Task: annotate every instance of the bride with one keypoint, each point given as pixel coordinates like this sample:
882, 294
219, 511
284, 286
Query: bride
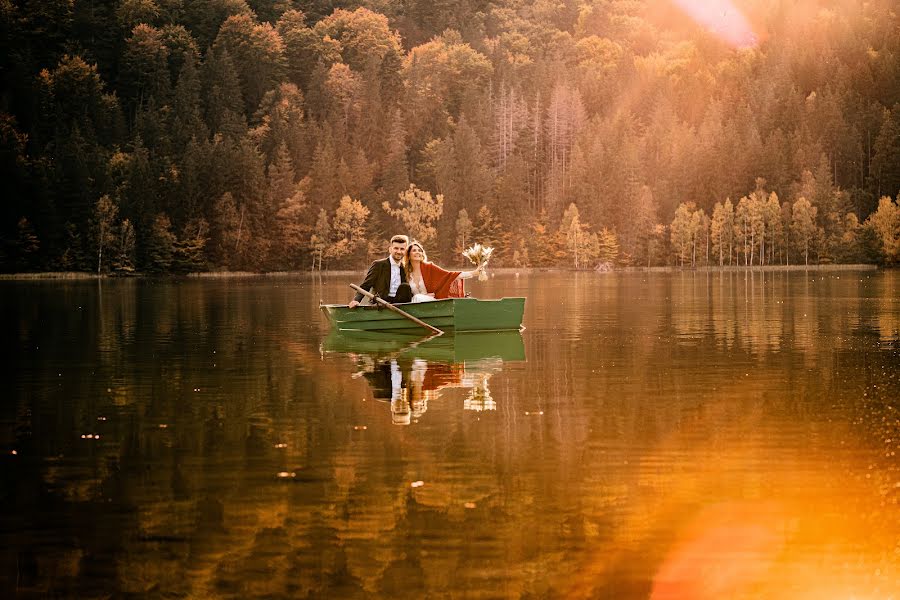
430, 282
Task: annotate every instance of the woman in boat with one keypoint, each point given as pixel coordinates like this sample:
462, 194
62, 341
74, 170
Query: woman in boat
430, 282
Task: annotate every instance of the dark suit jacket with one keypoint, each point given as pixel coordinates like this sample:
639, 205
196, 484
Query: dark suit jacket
379, 277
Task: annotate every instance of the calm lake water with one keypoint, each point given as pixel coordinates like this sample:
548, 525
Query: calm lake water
686, 435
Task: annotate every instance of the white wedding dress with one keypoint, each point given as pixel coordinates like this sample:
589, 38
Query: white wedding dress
420, 294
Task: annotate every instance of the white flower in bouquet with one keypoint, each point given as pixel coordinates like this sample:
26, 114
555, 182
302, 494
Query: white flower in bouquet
479, 255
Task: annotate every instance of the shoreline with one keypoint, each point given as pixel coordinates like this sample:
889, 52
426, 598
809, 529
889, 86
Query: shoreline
81, 276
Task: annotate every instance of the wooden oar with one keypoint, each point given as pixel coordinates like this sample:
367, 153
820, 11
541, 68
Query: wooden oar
387, 304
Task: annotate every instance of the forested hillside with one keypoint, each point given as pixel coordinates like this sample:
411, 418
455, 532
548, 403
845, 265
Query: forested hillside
176, 136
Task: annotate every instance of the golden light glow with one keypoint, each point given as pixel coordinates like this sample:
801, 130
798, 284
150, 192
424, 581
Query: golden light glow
727, 549
721, 18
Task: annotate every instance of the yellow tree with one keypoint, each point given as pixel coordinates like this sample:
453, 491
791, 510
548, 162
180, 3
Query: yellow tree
349, 228
722, 230
105, 215
583, 245
418, 211
699, 231
681, 230
803, 226
886, 223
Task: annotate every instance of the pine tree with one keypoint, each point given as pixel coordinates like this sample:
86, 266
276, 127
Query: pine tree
470, 185
512, 196
122, 258
638, 224
187, 108
325, 190
27, 246
303, 48
222, 92
160, 245
205, 19
884, 167
145, 65
607, 247
258, 55
393, 176
228, 223
281, 177
293, 228
544, 247
488, 230
280, 121
74, 256
464, 229
189, 256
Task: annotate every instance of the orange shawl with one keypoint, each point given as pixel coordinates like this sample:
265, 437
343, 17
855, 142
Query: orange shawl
441, 283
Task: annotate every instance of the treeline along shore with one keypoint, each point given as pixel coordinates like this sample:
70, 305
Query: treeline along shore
352, 276
166, 136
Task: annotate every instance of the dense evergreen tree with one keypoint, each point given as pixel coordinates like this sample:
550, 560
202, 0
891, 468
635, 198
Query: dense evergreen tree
241, 120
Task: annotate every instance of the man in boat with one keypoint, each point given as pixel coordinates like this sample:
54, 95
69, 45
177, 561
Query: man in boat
387, 277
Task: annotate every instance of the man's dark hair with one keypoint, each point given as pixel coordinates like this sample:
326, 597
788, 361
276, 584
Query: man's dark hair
400, 239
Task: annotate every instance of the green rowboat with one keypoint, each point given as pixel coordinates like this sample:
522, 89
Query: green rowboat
456, 314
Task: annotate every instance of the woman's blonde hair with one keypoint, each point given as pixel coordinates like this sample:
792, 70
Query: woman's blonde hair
409, 249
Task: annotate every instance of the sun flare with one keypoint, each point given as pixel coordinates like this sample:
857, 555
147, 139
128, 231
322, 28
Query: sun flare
721, 18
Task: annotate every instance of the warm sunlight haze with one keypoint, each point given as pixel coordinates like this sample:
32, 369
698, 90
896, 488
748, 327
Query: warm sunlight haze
475, 300
721, 18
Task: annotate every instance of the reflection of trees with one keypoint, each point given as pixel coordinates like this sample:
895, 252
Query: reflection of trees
682, 384
652, 402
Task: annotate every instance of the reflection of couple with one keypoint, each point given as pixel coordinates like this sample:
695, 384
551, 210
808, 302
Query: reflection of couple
407, 385
406, 275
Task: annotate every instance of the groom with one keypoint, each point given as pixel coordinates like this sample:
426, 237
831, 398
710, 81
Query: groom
386, 277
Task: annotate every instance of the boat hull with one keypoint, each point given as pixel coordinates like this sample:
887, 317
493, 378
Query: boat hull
453, 348
456, 314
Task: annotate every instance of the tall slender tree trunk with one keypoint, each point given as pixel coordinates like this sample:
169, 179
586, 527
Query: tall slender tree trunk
787, 250
762, 248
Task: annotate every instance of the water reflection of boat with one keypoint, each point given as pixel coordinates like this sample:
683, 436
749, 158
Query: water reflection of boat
458, 314
449, 348
410, 371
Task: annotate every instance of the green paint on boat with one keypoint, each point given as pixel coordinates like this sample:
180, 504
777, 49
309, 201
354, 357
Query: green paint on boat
457, 314
450, 348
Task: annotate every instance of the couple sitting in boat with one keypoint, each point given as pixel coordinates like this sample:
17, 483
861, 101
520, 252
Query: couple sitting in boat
406, 275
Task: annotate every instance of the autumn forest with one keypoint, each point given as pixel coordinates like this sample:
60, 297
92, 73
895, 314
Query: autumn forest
170, 136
